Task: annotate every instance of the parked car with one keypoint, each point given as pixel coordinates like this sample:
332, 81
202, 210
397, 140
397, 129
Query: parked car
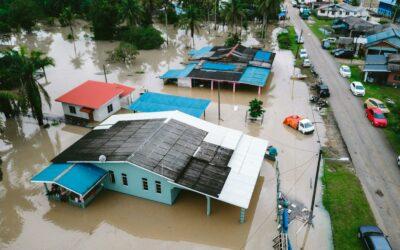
331, 39
326, 44
294, 3
323, 90
335, 50
376, 117
344, 53
375, 103
357, 88
306, 63
373, 238
344, 71
398, 160
299, 123
303, 53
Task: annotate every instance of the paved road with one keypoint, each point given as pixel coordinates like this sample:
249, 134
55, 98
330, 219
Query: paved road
372, 156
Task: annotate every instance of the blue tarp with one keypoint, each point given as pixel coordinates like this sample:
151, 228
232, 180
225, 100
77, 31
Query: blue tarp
179, 73
255, 76
196, 54
218, 66
155, 102
78, 178
263, 56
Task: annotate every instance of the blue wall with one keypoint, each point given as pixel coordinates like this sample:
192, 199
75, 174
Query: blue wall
134, 174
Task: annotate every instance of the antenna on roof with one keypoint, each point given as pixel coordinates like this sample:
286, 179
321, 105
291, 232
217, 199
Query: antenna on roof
102, 158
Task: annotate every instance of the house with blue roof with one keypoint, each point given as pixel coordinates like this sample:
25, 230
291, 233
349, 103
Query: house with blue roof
385, 7
154, 156
236, 66
384, 42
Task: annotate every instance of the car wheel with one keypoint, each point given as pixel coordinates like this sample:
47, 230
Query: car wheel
365, 105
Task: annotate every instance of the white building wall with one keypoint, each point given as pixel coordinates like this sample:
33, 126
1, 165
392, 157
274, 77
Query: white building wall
102, 113
79, 114
337, 14
184, 82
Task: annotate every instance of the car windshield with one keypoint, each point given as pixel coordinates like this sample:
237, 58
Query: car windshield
345, 69
380, 242
359, 87
381, 106
307, 125
379, 116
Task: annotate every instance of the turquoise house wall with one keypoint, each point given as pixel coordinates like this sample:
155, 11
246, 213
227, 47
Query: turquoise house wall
134, 174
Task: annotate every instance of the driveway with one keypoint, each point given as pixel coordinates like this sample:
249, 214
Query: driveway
372, 155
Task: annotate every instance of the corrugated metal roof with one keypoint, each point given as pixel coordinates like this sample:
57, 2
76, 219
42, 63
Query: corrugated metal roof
156, 102
179, 73
79, 178
386, 34
197, 54
255, 76
207, 65
375, 59
375, 68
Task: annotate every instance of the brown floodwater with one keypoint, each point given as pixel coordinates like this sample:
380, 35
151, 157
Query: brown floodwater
29, 220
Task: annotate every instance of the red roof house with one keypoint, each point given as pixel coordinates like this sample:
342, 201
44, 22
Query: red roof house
94, 100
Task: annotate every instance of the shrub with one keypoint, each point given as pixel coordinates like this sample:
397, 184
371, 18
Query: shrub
143, 37
256, 109
232, 40
125, 52
284, 40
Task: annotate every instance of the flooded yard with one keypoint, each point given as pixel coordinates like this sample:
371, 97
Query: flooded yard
29, 220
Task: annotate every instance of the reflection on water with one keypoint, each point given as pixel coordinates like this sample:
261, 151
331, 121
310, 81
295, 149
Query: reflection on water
29, 220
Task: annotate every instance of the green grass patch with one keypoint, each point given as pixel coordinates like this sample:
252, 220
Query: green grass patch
382, 92
319, 24
347, 205
287, 40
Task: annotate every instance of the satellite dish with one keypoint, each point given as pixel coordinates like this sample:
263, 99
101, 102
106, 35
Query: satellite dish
102, 158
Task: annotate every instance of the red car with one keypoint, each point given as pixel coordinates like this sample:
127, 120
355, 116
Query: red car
376, 117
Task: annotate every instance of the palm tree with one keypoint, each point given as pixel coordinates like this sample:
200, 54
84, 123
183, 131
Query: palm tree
263, 6
132, 10
190, 20
67, 18
19, 74
234, 11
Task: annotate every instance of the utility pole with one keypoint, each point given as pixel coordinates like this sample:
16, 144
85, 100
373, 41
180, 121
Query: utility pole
219, 101
105, 73
315, 187
299, 39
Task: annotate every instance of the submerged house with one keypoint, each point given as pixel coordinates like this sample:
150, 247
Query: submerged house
237, 65
384, 42
94, 100
155, 156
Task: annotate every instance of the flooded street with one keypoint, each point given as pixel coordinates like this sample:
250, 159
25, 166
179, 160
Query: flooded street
115, 220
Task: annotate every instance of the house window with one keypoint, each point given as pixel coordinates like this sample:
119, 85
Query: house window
145, 184
124, 180
322, 11
110, 108
72, 109
158, 187
347, 13
112, 176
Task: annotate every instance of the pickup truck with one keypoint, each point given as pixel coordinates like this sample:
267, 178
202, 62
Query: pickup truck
299, 123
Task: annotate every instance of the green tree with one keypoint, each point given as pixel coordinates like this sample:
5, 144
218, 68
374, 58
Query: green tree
149, 7
132, 11
23, 14
190, 20
105, 16
18, 70
263, 7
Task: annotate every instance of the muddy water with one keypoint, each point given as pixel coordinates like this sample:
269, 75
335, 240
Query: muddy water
29, 220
